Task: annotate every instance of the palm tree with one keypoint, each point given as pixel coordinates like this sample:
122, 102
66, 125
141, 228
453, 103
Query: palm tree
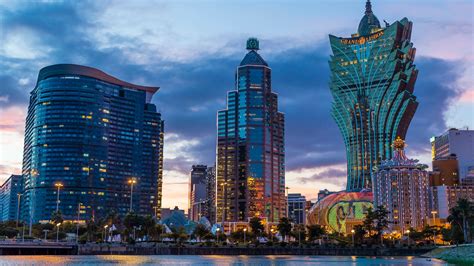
461, 214
284, 227
256, 225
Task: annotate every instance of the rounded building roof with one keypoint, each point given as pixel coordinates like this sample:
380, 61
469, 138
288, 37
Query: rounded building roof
369, 21
72, 69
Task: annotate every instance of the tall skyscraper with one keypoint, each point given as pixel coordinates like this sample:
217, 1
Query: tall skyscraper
459, 142
90, 137
10, 193
372, 83
202, 190
250, 146
401, 185
297, 208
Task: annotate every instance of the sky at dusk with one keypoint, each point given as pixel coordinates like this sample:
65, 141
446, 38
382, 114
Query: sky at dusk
191, 50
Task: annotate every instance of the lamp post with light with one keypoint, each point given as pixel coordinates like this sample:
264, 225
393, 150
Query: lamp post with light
18, 209
132, 182
217, 234
353, 243
434, 223
271, 232
105, 232
58, 186
408, 234
245, 236
57, 232
77, 225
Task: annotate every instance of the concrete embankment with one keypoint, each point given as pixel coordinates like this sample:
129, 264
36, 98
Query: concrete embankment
148, 249
463, 254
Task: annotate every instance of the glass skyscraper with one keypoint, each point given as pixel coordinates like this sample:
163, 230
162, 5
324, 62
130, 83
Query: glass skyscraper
91, 133
250, 146
372, 82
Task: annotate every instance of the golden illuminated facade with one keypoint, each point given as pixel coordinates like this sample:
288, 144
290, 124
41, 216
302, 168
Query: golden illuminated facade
401, 186
250, 146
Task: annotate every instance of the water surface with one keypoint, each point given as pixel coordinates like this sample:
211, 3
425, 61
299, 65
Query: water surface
215, 260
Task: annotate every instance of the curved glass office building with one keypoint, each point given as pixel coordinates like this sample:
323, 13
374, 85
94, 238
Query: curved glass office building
87, 134
372, 83
250, 146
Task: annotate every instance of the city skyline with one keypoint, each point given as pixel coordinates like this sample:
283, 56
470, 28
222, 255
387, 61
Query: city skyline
309, 167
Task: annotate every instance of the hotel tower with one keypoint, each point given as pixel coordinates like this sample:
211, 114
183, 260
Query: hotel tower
372, 82
93, 144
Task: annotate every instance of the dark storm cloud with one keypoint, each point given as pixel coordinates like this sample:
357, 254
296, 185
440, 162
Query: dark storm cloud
192, 92
434, 89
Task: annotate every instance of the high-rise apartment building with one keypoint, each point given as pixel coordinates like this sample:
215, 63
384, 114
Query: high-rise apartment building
10, 198
94, 140
401, 186
250, 146
458, 142
372, 82
443, 198
202, 188
297, 208
445, 172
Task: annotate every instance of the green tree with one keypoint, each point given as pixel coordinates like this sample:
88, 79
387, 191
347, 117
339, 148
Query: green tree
178, 234
256, 226
359, 233
461, 215
315, 231
284, 227
238, 236
148, 224
298, 233
8, 230
57, 217
91, 230
200, 232
157, 231
376, 221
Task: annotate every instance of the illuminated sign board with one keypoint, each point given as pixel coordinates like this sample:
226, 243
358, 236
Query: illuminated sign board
362, 39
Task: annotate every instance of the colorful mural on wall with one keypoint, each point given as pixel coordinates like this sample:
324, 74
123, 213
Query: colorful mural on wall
341, 211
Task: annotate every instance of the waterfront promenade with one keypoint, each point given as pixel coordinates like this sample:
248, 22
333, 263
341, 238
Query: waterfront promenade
65, 248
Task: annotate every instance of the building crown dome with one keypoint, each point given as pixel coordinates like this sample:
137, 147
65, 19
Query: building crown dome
369, 21
252, 57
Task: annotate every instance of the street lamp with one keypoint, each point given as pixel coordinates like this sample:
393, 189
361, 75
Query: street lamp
77, 226
245, 235
271, 232
434, 223
105, 232
59, 186
18, 209
217, 234
353, 231
57, 232
408, 234
131, 181
224, 203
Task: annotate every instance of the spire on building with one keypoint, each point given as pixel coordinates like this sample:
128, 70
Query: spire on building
369, 21
368, 7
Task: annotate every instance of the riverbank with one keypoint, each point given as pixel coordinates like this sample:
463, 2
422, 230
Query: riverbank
157, 249
463, 254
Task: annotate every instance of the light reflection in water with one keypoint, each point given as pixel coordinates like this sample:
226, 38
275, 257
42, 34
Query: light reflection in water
217, 260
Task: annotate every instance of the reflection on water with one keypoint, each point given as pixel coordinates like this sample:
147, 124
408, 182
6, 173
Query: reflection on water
215, 260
